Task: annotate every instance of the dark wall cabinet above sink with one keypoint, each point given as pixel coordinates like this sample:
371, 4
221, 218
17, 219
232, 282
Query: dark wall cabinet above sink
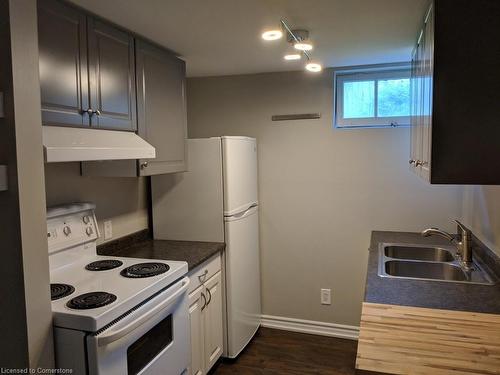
455, 133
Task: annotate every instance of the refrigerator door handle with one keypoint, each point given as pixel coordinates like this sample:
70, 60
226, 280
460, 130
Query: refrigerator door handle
249, 211
241, 208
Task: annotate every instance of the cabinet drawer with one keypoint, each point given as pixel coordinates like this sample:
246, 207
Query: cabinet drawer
204, 272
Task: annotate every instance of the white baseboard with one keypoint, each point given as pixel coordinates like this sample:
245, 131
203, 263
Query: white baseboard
310, 327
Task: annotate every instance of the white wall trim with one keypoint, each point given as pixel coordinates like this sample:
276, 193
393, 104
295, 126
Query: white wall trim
311, 327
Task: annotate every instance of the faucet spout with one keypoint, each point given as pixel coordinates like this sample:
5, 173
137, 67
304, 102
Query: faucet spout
437, 232
463, 243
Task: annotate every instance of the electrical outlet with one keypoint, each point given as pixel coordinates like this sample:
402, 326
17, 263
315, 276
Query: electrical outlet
326, 296
108, 230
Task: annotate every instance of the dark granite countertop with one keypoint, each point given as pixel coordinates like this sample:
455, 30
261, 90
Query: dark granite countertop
430, 294
140, 245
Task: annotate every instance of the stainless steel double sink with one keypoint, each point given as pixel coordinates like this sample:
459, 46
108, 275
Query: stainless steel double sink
434, 263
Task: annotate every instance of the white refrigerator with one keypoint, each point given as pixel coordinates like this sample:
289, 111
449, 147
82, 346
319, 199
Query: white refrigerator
216, 200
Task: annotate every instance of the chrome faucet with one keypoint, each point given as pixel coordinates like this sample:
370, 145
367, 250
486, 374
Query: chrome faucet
463, 243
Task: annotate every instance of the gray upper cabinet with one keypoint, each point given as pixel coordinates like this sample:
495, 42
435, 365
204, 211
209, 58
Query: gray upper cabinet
63, 64
87, 74
161, 108
96, 75
111, 76
161, 116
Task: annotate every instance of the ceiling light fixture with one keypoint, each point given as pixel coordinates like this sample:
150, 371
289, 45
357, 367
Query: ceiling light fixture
314, 67
292, 56
302, 46
272, 35
299, 38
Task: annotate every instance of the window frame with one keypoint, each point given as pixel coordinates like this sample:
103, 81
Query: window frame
367, 73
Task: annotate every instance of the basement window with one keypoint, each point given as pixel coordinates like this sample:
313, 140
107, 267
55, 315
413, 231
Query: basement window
372, 97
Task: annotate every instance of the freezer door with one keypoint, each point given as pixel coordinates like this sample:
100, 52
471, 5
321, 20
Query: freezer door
242, 263
240, 174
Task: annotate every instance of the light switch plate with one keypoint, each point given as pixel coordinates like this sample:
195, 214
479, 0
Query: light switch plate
326, 296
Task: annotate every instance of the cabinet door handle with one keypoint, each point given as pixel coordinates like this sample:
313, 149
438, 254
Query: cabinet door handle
144, 165
91, 112
204, 301
203, 276
418, 163
411, 161
209, 296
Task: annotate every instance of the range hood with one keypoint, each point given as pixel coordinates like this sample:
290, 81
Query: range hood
76, 144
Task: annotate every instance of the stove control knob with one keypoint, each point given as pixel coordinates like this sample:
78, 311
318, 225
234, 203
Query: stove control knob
89, 231
86, 219
67, 230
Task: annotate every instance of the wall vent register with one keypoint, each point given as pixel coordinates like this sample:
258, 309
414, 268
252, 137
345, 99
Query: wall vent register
298, 116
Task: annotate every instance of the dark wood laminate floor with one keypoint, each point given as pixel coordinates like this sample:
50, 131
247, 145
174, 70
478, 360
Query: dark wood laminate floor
274, 352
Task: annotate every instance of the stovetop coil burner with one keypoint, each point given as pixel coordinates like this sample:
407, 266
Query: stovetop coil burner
103, 265
91, 300
58, 291
144, 270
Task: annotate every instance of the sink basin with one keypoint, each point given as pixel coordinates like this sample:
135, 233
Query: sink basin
433, 254
433, 263
425, 270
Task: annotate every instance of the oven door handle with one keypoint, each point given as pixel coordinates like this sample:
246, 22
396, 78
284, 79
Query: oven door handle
112, 336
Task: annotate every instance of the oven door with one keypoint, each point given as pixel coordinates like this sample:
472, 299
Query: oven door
152, 339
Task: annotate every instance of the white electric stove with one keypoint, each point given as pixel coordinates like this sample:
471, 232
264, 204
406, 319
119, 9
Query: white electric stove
113, 315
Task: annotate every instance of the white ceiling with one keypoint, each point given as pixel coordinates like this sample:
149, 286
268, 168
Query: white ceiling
222, 37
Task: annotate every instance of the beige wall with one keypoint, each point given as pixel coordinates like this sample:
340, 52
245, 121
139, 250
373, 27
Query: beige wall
122, 200
481, 213
322, 191
30, 178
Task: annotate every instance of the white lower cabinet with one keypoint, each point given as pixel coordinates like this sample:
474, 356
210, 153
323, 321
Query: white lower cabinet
212, 318
205, 314
196, 302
